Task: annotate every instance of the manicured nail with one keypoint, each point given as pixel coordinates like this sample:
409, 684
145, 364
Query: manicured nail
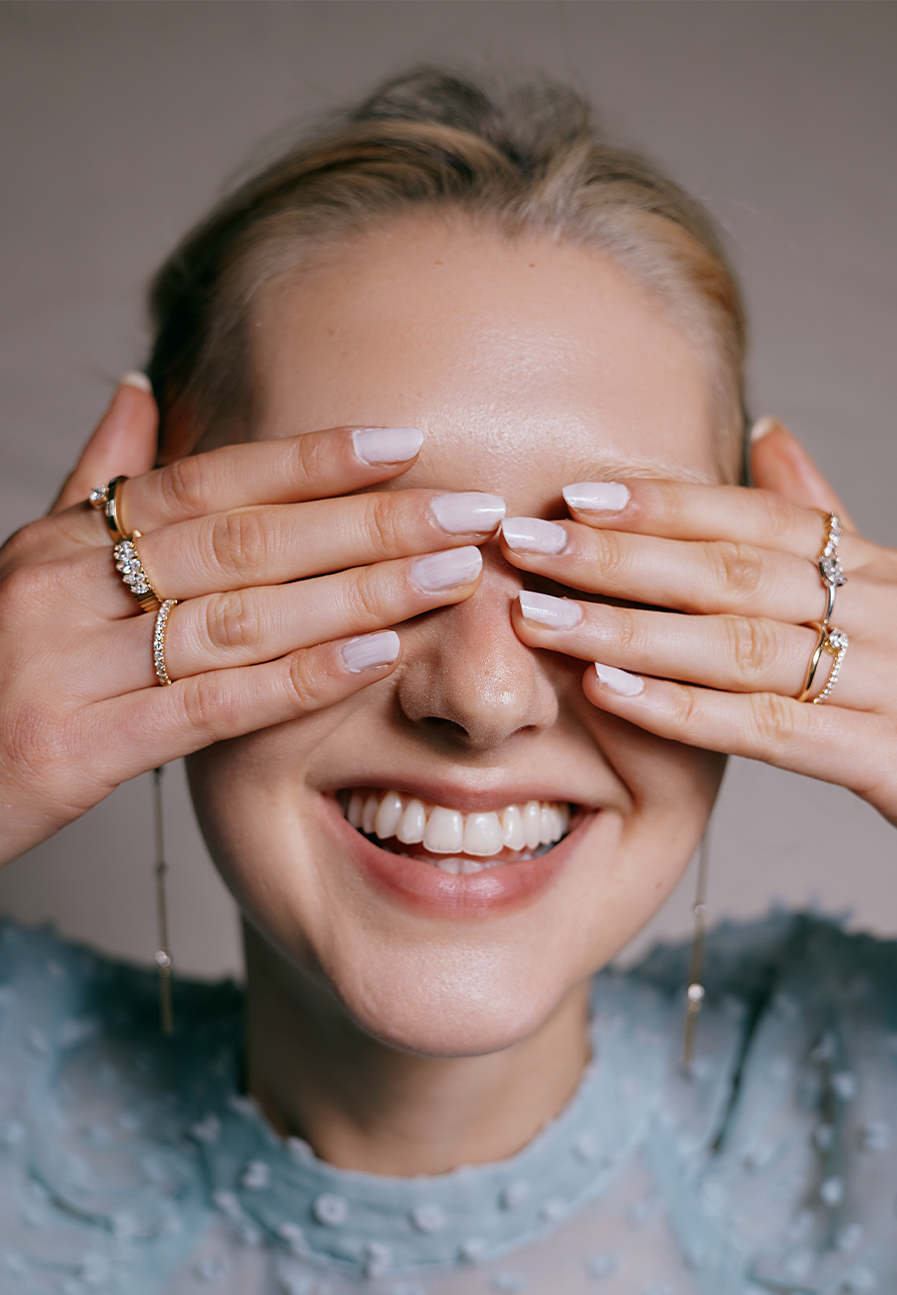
468, 513
533, 535
619, 681
370, 651
375, 445
763, 427
446, 570
596, 496
556, 613
139, 380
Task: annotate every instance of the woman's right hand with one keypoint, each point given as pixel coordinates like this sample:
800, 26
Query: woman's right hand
286, 584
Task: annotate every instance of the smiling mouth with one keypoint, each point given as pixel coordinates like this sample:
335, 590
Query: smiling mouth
446, 838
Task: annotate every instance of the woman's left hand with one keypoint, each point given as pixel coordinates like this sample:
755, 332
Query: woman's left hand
743, 564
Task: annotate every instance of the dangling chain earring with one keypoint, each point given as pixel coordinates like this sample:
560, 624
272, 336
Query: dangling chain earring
163, 955
695, 992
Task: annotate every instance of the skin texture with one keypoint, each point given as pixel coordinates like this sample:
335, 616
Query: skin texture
401, 1019
527, 366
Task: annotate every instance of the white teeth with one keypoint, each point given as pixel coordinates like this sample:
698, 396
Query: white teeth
369, 813
513, 834
532, 823
356, 805
388, 815
483, 834
467, 838
445, 831
412, 823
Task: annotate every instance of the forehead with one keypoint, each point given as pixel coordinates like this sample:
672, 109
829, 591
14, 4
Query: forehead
527, 363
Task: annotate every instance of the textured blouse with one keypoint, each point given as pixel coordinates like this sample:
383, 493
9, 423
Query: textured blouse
132, 1164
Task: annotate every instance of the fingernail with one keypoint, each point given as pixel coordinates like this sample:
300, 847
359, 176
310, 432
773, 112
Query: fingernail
375, 445
468, 513
763, 427
370, 651
556, 613
619, 681
597, 496
533, 535
446, 570
139, 380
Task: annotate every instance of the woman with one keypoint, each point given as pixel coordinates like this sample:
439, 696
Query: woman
439, 817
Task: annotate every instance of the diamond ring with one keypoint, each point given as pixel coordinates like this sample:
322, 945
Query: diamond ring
829, 565
133, 572
105, 500
834, 642
159, 641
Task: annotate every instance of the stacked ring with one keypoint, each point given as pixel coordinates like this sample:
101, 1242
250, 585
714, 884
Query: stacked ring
105, 500
133, 572
829, 565
159, 641
834, 642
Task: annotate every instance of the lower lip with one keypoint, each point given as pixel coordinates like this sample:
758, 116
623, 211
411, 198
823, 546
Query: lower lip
427, 889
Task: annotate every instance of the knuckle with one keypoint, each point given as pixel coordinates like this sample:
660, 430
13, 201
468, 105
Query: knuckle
737, 570
304, 682
181, 485
240, 542
752, 644
364, 596
775, 515
775, 718
232, 621
22, 590
382, 529
612, 556
209, 706
630, 632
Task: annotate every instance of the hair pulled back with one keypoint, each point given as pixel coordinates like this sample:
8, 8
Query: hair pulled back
528, 159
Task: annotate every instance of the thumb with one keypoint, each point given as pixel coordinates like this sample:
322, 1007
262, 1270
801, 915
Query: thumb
123, 444
780, 463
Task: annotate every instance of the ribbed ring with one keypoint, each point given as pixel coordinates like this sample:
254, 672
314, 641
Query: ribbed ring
133, 572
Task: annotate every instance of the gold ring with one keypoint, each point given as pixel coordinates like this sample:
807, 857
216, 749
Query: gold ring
105, 500
159, 640
834, 642
133, 572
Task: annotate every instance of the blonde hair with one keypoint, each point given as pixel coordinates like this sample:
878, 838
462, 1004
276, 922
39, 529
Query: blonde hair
529, 159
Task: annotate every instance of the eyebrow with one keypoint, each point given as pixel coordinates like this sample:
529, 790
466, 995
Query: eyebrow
613, 469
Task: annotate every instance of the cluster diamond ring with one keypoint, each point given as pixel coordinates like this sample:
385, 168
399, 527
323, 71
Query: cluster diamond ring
105, 500
159, 640
133, 572
829, 564
833, 642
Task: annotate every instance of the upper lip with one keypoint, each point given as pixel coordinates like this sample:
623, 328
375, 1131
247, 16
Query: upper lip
469, 800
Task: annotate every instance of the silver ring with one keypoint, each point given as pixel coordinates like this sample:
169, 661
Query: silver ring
159, 640
105, 500
829, 565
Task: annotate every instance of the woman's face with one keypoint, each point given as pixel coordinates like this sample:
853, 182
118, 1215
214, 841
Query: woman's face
528, 365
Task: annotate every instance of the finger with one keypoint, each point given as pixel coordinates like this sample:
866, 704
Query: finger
684, 511
824, 742
315, 465
123, 444
730, 653
270, 545
690, 576
780, 463
245, 627
195, 712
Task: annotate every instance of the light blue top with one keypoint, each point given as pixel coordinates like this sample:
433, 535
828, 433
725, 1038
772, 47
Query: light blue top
130, 1163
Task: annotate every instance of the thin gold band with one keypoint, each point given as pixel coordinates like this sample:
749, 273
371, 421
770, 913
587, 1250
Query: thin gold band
105, 500
832, 642
161, 626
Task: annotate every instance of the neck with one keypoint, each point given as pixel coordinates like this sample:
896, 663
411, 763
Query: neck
362, 1104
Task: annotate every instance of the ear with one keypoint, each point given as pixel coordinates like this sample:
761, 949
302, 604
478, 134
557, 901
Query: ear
780, 463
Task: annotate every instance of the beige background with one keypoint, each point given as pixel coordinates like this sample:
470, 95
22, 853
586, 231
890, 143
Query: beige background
119, 122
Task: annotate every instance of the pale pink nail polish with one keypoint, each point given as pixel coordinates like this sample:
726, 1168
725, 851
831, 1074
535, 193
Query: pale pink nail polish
596, 496
437, 572
619, 681
554, 613
370, 651
381, 445
468, 512
533, 535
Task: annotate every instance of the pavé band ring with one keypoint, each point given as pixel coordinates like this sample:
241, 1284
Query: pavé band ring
829, 564
133, 572
105, 500
159, 641
834, 642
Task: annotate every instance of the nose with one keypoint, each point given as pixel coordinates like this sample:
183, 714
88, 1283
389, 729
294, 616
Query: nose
467, 679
